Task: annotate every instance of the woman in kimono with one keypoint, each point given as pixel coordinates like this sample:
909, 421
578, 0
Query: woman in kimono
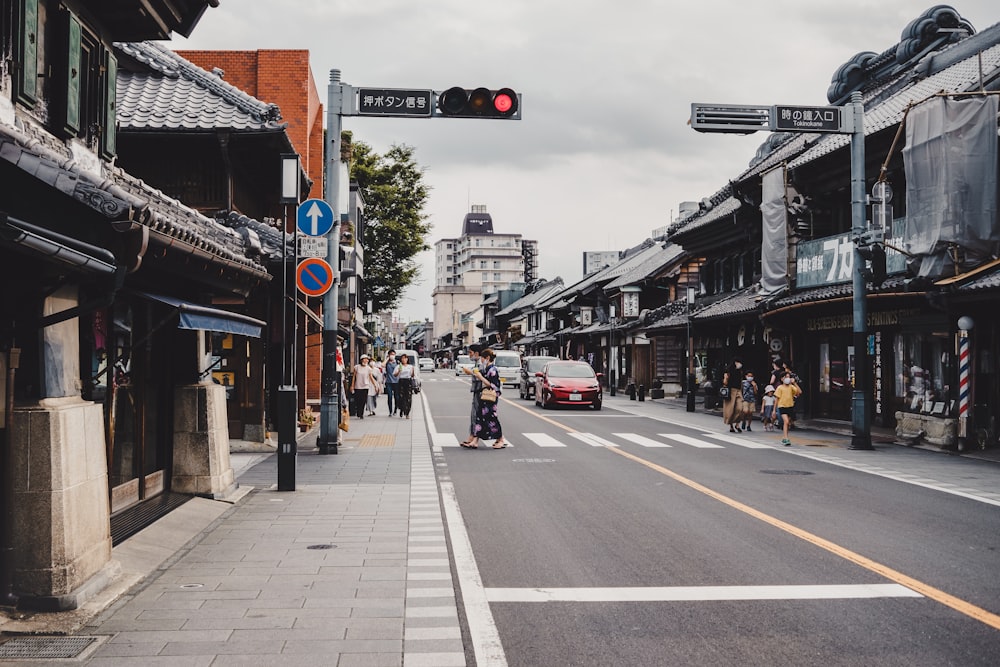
487, 418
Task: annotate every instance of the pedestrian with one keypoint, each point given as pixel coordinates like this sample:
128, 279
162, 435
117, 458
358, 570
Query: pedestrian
785, 397
729, 392
791, 415
391, 381
767, 408
488, 418
361, 380
404, 373
375, 388
777, 370
748, 392
474, 389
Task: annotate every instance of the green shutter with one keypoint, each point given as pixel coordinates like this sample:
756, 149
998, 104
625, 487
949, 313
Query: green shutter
109, 143
26, 80
73, 76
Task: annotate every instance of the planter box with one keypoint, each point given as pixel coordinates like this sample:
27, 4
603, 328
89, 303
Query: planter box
940, 431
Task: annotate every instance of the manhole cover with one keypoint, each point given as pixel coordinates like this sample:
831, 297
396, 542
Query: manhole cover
786, 472
39, 648
321, 546
534, 460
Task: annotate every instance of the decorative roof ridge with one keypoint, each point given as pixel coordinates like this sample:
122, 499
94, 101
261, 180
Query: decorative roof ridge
173, 65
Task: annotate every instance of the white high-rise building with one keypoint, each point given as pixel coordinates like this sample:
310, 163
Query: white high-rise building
476, 263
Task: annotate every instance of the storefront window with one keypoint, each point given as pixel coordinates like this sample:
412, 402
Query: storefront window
923, 371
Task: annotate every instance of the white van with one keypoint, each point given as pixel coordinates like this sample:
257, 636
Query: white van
508, 363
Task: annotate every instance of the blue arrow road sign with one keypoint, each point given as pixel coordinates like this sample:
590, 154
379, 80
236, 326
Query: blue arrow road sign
314, 217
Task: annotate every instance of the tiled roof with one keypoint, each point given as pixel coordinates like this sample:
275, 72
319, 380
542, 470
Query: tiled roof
119, 197
177, 94
653, 263
528, 300
990, 281
723, 205
744, 301
828, 292
562, 299
673, 314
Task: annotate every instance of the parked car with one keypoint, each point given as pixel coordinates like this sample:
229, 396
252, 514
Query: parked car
568, 383
426, 364
463, 361
508, 363
530, 366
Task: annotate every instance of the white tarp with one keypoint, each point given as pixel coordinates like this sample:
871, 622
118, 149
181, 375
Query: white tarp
774, 245
951, 175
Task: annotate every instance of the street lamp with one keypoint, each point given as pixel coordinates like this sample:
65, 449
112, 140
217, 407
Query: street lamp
288, 401
691, 385
612, 354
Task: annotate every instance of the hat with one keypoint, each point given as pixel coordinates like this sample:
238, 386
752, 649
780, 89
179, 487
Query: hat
365, 356
768, 388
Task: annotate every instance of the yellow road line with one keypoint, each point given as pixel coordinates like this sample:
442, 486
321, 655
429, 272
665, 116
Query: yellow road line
948, 600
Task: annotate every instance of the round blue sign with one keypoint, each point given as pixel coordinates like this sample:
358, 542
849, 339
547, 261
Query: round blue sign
314, 217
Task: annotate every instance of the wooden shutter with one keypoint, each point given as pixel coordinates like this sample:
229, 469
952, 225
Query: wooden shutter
26, 79
73, 75
109, 139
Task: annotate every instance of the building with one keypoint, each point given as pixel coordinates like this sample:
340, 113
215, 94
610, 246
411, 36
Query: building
595, 260
477, 263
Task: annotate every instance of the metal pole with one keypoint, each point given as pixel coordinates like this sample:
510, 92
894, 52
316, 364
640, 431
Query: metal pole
691, 384
861, 436
329, 414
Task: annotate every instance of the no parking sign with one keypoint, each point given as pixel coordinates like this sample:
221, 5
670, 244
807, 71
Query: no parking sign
314, 276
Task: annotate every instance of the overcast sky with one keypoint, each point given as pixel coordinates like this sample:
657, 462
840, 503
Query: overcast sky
603, 154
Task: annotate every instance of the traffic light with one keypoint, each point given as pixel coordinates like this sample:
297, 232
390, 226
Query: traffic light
460, 102
875, 269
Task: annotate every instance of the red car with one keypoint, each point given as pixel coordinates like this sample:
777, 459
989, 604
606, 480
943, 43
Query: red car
568, 383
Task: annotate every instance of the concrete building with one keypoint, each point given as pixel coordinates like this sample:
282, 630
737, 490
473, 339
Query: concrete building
478, 262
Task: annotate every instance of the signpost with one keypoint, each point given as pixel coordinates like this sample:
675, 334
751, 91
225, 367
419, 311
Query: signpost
746, 119
395, 102
314, 217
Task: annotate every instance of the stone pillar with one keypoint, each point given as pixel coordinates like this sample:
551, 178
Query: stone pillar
61, 514
201, 442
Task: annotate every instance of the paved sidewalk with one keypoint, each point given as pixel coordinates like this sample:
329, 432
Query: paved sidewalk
350, 569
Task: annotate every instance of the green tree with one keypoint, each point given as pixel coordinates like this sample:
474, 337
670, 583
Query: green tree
396, 228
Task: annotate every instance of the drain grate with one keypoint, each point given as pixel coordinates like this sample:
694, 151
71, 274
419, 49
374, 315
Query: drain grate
41, 648
321, 546
786, 472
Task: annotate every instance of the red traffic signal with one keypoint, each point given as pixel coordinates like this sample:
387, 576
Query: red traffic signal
479, 103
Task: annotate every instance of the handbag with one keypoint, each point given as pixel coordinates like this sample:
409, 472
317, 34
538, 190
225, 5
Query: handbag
345, 420
724, 392
488, 396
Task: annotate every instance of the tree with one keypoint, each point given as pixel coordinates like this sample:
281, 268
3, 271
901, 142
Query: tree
395, 227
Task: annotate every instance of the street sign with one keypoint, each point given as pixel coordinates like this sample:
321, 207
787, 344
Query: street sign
730, 118
314, 277
395, 102
314, 217
808, 119
313, 246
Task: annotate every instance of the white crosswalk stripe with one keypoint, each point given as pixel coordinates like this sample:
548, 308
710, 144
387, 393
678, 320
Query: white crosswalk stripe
733, 440
641, 440
543, 440
593, 440
687, 440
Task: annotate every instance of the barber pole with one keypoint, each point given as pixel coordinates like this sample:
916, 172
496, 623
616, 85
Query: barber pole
964, 382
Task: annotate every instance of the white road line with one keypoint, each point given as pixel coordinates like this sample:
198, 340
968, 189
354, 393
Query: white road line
641, 440
592, 440
742, 442
700, 593
687, 440
482, 627
444, 439
543, 440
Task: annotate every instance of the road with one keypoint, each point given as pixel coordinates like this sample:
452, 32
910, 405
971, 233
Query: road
606, 538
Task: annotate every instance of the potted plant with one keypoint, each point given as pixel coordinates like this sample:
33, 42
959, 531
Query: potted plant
306, 419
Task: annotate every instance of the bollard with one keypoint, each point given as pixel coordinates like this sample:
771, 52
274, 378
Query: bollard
642, 392
630, 390
692, 388
287, 429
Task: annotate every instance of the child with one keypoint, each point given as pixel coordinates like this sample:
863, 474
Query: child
748, 392
767, 408
785, 395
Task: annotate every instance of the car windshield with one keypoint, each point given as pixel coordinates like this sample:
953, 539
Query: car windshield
535, 365
570, 371
462, 359
507, 360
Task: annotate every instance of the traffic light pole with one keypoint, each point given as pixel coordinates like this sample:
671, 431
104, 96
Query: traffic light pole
861, 432
330, 377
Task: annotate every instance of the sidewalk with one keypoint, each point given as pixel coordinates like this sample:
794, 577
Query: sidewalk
350, 569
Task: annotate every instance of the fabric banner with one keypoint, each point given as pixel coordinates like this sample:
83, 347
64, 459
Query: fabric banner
951, 173
774, 246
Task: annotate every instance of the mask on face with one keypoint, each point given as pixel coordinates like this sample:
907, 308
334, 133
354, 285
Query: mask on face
787, 380
392, 357
749, 378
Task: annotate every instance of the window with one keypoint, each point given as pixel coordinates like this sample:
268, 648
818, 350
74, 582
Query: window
923, 366
482, 264
496, 276
496, 264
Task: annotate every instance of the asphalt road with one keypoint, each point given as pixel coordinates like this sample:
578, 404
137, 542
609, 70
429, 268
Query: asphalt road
594, 547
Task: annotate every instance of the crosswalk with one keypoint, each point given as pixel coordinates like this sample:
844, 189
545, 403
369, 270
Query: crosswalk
705, 441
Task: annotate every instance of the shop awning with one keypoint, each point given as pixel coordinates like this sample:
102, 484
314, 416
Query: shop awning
204, 318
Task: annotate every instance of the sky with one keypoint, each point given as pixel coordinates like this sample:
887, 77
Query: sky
604, 153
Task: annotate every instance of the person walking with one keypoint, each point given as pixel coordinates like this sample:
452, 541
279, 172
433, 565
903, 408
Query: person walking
391, 381
785, 396
474, 389
748, 392
767, 407
361, 381
488, 418
404, 373
729, 391
375, 388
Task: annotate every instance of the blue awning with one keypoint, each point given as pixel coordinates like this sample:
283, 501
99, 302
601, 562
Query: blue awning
204, 318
